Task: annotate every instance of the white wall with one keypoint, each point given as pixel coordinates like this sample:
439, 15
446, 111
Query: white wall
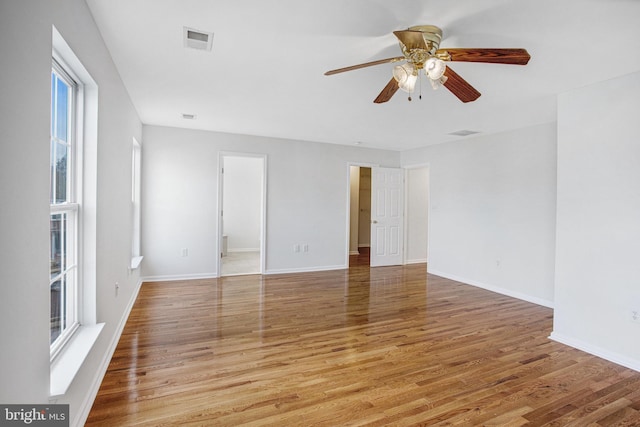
598, 221
25, 48
242, 202
307, 198
492, 216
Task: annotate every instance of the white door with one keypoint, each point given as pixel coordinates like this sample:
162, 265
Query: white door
387, 216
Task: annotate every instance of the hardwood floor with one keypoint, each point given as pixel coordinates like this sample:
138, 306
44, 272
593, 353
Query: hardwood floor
382, 346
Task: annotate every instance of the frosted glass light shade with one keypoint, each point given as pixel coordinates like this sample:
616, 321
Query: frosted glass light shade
435, 84
434, 68
406, 75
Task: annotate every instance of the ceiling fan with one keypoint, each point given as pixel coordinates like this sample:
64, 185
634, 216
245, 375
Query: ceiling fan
420, 46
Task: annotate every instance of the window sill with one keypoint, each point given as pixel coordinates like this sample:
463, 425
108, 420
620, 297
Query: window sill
135, 262
67, 364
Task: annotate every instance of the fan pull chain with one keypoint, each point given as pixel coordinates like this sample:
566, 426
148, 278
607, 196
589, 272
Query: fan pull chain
419, 90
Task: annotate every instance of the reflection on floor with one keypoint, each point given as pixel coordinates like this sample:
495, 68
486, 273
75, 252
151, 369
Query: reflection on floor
237, 263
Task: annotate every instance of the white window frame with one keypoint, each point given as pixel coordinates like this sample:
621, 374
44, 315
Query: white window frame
136, 188
69, 358
70, 208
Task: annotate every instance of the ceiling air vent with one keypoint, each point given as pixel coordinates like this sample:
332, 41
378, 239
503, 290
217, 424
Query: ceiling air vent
197, 39
188, 116
464, 132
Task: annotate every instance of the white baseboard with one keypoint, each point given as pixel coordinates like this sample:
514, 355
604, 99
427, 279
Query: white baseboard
306, 269
496, 289
243, 250
173, 277
86, 405
416, 261
596, 351
354, 252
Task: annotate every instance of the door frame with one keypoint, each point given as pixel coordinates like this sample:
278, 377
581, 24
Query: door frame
263, 216
427, 166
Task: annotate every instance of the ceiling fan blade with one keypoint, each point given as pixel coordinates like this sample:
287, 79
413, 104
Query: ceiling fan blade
460, 87
411, 39
494, 56
389, 90
366, 64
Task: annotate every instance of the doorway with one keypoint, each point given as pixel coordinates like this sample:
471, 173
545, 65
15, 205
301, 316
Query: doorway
406, 241
359, 215
242, 214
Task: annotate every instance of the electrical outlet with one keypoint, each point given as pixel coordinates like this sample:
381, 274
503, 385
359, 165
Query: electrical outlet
635, 316
184, 252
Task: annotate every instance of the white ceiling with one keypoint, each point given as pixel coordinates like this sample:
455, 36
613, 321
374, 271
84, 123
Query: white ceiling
265, 73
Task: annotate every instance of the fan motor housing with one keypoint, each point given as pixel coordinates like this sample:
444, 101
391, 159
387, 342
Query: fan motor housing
432, 36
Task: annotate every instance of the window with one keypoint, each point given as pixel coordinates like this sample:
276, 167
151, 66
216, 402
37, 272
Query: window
64, 212
73, 221
136, 162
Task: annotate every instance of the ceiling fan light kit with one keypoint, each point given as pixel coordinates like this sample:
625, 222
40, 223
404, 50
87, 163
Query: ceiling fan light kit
434, 68
406, 75
420, 47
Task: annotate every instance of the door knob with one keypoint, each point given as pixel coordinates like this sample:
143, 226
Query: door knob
374, 222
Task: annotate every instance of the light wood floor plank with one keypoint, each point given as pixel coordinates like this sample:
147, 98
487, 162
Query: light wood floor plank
361, 347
